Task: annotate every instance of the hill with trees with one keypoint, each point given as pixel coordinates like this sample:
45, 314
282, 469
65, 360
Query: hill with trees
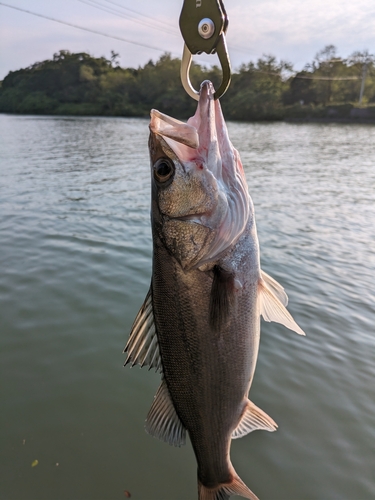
329, 87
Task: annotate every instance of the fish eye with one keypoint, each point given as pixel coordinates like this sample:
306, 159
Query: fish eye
163, 170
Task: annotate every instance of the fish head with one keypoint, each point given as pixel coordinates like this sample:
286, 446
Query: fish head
200, 200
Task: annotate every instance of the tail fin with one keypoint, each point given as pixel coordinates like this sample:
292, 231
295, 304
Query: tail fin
225, 490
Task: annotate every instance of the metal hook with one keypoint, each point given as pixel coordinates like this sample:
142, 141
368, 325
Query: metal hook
187, 58
203, 25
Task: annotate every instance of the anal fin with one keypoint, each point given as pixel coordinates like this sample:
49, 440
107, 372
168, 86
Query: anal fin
253, 419
162, 420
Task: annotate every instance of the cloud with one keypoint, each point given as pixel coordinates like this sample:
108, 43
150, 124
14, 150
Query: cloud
287, 28
292, 30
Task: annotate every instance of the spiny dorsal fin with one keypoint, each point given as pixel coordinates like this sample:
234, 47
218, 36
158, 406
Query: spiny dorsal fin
142, 346
275, 287
253, 419
273, 310
162, 420
221, 297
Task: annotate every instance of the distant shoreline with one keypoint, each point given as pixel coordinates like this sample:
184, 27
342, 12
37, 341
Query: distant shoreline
330, 91
350, 121
294, 120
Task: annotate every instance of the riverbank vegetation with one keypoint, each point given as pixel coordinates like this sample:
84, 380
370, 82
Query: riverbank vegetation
329, 87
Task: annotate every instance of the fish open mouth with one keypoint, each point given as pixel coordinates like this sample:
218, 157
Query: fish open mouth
205, 137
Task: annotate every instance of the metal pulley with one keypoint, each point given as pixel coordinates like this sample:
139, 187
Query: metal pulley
203, 24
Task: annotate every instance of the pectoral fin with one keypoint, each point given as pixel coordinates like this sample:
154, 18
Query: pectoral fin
253, 419
142, 346
272, 309
221, 298
162, 420
275, 287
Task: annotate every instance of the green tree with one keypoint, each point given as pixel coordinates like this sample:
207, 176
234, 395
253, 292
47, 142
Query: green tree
361, 65
81, 84
257, 89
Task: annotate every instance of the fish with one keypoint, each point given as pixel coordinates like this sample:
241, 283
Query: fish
199, 325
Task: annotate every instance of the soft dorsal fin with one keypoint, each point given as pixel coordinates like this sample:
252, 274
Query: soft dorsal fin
162, 420
272, 309
275, 287
142, 346
253, 419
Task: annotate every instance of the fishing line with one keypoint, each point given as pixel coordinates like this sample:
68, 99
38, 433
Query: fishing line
110, 10
95, 32
84, 29
162, 23
327, 78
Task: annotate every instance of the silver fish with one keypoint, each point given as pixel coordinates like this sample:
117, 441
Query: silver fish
200, 322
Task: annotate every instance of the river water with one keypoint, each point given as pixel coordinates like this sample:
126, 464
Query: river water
75, 259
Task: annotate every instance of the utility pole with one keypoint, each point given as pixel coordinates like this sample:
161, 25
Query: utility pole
364, 73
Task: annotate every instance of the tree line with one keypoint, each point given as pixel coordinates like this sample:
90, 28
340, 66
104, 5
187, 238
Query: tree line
79, 84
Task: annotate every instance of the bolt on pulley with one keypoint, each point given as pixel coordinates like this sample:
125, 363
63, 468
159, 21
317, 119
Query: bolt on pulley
203, 24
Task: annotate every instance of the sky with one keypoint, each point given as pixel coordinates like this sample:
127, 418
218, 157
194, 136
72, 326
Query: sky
291, 30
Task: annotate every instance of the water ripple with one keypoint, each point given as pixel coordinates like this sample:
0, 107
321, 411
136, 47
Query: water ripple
76, 265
